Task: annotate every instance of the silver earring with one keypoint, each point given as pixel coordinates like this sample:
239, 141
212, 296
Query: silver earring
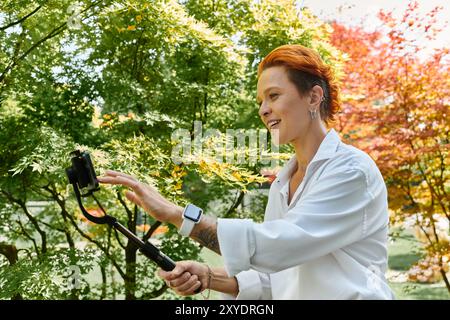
313, 114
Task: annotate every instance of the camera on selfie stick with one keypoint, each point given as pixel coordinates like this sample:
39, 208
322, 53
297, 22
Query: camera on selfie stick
82, 177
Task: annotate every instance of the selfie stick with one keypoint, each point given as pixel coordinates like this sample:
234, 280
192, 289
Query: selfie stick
148, 249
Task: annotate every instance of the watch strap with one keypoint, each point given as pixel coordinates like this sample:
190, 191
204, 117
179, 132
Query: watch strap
186, 227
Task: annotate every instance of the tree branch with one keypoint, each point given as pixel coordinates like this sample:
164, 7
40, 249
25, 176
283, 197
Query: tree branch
429, 184
30, 217
84, 235
55, 195
56, 31
151, 230
21, 19
99, 245
118, 239
154, 294
10, 252
236, 204
15, 62
27, 235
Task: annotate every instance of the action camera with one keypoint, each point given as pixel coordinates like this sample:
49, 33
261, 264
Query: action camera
82, 176
82, 172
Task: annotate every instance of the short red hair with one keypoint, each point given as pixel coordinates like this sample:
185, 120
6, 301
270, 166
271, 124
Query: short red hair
306, 69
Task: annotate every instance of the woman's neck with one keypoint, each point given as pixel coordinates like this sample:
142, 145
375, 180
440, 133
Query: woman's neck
306, 146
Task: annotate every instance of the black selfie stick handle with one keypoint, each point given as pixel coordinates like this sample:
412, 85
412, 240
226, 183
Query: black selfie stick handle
163, 261
147, 249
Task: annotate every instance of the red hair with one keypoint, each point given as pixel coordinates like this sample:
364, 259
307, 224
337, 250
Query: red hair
306, 69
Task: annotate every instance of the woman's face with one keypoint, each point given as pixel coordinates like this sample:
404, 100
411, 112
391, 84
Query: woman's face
282, 110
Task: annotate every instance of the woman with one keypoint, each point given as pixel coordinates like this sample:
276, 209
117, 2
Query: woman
326, 222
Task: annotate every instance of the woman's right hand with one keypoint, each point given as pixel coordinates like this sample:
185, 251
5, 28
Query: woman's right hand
186, 277
145, 196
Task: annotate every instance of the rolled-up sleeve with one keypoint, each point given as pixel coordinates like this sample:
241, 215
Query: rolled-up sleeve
330, 216
253, 285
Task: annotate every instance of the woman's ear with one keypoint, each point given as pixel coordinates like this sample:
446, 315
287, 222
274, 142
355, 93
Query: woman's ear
316, 96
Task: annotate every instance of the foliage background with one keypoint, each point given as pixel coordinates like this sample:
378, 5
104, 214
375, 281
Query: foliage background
118, 77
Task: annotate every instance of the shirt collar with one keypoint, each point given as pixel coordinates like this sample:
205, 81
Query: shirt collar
328, 146
326, 150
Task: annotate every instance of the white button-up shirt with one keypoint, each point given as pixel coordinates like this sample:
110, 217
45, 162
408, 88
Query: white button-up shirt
329, 242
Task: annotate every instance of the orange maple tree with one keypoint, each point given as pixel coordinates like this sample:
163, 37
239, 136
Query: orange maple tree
396, 107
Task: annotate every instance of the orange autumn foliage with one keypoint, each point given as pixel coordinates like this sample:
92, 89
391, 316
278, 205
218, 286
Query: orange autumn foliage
396, 108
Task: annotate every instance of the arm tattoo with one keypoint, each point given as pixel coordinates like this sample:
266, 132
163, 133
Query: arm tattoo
207, 237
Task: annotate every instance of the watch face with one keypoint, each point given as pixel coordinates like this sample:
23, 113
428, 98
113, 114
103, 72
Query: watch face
193, 213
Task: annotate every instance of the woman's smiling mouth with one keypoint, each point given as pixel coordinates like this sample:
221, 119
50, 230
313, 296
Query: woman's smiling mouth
272, 124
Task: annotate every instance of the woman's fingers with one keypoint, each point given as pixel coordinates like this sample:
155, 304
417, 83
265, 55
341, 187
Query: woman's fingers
121, 180
179, 269
140, 189
163, 274
107, 179
192, 289
181, 280
117, 180
115, 177
125, 181
187, 285
113, 173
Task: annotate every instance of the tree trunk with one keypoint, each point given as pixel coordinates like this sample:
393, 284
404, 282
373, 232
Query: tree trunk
447, 283
10, 252
130, 278
103, 271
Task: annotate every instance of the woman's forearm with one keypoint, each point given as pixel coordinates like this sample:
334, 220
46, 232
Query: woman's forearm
204, 232
220, 281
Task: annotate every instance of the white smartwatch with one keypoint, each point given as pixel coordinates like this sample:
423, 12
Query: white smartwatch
191, 216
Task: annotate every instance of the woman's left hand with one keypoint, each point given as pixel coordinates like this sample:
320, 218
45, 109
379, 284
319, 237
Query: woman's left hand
186, 277
145, 196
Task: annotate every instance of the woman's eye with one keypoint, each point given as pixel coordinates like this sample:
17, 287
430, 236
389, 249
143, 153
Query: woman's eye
273, 95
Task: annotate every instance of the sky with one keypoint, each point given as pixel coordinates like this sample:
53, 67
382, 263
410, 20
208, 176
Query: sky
354, 11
